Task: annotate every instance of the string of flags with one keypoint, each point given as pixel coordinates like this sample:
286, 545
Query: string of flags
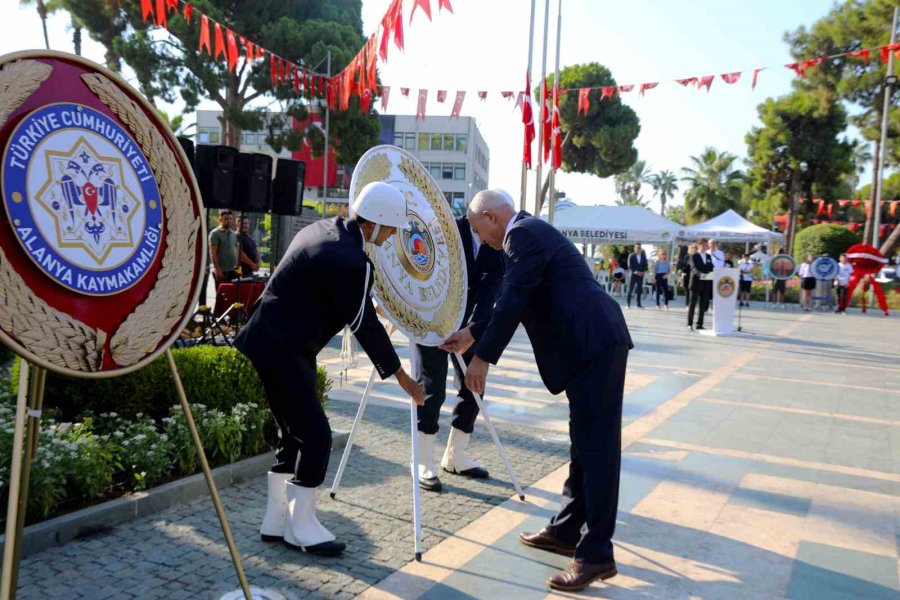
823, 211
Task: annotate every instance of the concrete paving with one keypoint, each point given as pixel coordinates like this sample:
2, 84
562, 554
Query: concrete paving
764, 465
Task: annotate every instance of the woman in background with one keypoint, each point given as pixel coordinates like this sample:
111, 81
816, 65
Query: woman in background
661, 269
618, 275
686, 274
807, 283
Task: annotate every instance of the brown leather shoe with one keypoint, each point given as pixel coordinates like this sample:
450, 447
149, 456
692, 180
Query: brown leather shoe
544, 540
580, 574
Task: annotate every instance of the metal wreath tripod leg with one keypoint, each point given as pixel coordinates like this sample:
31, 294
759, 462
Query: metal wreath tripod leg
414, 466
487, 420
356, 421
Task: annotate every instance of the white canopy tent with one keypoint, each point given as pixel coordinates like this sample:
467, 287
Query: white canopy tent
613, 225
729, 227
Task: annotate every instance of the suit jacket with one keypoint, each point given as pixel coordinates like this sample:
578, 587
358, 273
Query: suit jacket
322, 284
701, 264
638, 262
549, 288
484, 275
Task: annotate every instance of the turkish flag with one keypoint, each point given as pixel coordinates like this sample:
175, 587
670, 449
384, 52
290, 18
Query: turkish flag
528, 121
731, 77
220, 42
445, 4
146, 9
647, 86
232, 50
248, 45
204, 34
706, 82
385, 95
161, 14
405, 92
426, 6
584, 100
188, 11
557, 134
457, 105
546, 120
420, 108
687, 81
441, 95
482, 95
863, 54
607, 91
755, 75
89, 193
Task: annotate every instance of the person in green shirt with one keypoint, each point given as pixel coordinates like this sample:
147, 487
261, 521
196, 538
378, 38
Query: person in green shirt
223, 248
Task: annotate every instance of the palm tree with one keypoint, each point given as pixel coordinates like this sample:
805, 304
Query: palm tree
665, 184
862, 155
715, 185
628, 184
42, 13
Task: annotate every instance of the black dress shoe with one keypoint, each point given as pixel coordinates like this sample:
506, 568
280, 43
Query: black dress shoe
473, 473
431, 484
324, 549
544, 540
580, 574
700, 327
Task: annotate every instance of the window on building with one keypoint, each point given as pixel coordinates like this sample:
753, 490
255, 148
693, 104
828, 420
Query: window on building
449, 141
459, 171
424, 141
398, 140
248, 138
461, 142
435, 170
436, 141
410, 141
447, 171
208, 135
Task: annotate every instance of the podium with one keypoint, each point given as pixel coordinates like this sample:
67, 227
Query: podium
724, 297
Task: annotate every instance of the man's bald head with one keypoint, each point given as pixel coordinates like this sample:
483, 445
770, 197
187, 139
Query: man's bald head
489, 214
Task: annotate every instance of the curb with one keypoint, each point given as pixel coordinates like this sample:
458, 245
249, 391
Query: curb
106, 515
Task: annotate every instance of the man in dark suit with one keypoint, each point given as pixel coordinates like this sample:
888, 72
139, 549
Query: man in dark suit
581, 345
701, 287
484, 267
637, 264
322, 285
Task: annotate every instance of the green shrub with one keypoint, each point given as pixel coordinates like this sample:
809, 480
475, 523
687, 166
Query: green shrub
6, 355
825, 238
216, 376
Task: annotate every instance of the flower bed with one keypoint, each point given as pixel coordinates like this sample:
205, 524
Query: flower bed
87, 453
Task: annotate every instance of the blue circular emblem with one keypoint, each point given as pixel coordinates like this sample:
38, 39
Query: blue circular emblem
82, 199
825, 267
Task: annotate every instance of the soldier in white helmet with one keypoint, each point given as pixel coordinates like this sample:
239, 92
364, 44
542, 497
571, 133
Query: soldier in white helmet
322, 285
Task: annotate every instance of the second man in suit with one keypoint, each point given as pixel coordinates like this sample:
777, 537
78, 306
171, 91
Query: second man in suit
637, 264
701, 287
484, 267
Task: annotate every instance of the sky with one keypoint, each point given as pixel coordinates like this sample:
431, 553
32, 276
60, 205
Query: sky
483, 45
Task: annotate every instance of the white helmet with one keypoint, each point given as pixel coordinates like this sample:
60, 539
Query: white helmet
382, 204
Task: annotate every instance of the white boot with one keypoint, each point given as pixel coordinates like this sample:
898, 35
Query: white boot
302, 529
455, 459
272, 528
428, 479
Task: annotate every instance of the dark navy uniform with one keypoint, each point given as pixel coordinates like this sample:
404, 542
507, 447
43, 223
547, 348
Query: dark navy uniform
484, 275
581, 345
322, 284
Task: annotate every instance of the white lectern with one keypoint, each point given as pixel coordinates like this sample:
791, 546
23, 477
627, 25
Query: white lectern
725, 292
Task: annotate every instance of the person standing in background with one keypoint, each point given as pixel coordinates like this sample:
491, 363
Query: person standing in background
661, 269
845, 270
718, 257
686, 274
224, 248
701, 285
637, 264
807, 283
746, 268
249, 250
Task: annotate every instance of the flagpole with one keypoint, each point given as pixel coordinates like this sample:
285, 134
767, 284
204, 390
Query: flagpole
878, 183
537, 192
524, 193
554, 105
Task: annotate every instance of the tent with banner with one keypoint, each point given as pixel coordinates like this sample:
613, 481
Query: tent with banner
613, 225
729, 227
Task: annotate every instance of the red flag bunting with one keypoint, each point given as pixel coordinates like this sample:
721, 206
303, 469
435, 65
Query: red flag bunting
420, 108
146, 9
396, 11
528, 121
365, 101
584, 100
249, 47
886, 51
706, 81
204, 34
232, 50
731, 78
755, 75
647, 86
385, 95
607, 91
507, 95
688, 81
322, 87
557, 134
273, 74
546, 120
172, 5
188, 12
441, 95
220, 42
482, 95
296, 73
457, 105
863, 54
405, 92
162, 19
445, 5
625, 88
426, 6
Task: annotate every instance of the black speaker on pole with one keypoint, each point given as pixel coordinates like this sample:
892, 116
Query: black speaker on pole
215, 169
287, 190
187, 144
253, 183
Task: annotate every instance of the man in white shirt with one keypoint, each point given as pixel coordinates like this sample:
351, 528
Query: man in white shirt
845, 270
718, 257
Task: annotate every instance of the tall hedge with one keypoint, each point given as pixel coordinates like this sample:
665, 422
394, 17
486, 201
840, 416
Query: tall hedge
825, 238
216, 376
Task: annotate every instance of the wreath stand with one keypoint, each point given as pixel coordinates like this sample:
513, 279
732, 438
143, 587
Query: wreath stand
25, 442
413, 426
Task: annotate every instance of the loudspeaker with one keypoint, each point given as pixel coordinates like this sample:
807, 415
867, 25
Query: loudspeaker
253, 183
215, 169
287, 190
187, 144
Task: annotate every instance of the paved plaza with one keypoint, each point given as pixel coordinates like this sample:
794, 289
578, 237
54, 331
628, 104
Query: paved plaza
765, 465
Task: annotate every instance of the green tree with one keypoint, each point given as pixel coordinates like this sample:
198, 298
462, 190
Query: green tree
890, 191
600, 143
677, 214
628, 184
169, 67
853, 25
665, 184
825, 238
797, 153
714, 185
